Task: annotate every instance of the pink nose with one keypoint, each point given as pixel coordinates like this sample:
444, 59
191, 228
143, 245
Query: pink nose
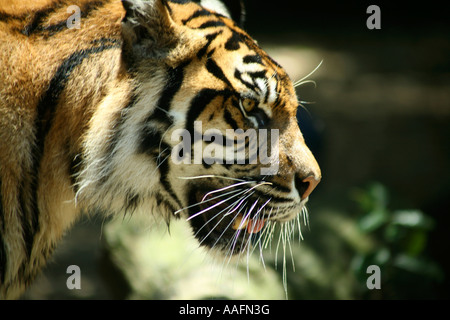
307, 185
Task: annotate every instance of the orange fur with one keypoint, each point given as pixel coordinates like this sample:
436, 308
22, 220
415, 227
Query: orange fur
65, 94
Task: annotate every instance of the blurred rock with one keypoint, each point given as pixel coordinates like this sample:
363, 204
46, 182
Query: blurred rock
168, 264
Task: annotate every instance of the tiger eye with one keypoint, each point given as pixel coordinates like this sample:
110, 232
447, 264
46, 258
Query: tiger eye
248, 104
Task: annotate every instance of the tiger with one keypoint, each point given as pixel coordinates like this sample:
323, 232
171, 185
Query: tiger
91, 94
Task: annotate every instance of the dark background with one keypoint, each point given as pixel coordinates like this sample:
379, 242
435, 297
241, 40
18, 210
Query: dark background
406, 149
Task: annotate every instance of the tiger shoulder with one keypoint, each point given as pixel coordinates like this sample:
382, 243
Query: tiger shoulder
91, 94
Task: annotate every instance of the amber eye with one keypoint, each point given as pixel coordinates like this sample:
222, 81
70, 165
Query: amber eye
248, 104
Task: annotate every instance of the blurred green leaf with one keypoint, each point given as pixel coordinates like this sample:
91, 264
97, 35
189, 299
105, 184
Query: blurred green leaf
382, 256
373, 220
392, 233
362, 198
379, 195
412, 219
416, 243
401, 239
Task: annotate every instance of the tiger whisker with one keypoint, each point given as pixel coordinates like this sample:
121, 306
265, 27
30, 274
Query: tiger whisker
240, 204
158, 157
211, 207
235, 236
232, 244
245, 217
247, 230
291, 226
297, 84
256, 216
305, 216
263, 236
301, 102
225, 188
204, 201
268, 230
300, 235
210, 176
251, 234
301, 81
246, 191
212, 229
231, 205
283, 234
231, 222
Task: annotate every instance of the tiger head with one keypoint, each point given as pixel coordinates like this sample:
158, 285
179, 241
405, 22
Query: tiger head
213, 134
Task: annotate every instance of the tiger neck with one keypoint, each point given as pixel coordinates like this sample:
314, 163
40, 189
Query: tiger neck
85, 71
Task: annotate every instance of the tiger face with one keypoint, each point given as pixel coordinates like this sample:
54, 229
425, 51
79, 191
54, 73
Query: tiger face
223, 134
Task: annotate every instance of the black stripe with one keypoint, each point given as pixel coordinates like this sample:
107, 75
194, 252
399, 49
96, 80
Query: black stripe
237, 75
196, 14
280, 187
106, 41
266, 95
216, 71
233, 43
51, 29
278, 100
149, 141
258, 74
40, 16
274, 200
253, 59
198, 104
164, 169
131, 202
3, 257
263, 194
43, 123
175, 78
29, 214
211, 24
150, 138
210, 38
229, 119
5, 17
36, 24
48, 102
161, 201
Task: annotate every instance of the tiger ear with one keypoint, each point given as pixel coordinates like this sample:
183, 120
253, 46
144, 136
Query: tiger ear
233, 9
148, 30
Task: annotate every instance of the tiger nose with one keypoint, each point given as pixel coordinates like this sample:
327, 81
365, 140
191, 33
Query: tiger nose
306, 185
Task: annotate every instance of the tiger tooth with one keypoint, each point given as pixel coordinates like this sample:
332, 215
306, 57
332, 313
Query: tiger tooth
239, 224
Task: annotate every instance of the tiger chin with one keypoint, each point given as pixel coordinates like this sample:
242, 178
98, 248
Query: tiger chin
88, 116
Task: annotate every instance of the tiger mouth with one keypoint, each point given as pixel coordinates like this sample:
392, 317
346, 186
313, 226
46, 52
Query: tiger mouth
228, 224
